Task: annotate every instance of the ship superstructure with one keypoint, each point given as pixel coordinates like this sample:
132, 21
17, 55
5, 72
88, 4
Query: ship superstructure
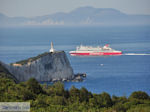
95, 51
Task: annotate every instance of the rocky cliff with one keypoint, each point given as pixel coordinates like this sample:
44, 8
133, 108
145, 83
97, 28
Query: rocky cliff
45, 67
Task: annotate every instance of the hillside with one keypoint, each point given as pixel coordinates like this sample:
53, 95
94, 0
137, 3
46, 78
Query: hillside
55, 98
79, 16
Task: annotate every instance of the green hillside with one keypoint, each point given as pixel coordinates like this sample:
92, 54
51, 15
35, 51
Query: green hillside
54, 98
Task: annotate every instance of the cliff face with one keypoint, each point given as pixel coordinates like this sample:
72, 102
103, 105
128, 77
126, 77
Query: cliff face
47, 67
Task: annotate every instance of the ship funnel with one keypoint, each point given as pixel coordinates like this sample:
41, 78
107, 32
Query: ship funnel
51, 49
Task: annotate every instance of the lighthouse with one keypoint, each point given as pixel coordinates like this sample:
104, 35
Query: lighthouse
51, 49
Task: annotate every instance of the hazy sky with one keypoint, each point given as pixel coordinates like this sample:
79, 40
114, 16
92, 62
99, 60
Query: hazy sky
31, 8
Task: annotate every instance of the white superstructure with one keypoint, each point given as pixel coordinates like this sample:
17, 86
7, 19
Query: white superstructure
51, 49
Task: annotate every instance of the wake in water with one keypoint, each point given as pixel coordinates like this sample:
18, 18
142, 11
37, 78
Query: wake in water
135, 54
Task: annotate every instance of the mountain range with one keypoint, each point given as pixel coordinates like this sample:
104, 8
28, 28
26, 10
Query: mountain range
80, 16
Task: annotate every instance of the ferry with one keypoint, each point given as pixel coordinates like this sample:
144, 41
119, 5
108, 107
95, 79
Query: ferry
94, 51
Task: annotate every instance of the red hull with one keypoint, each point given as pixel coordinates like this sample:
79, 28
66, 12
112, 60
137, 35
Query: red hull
96, 54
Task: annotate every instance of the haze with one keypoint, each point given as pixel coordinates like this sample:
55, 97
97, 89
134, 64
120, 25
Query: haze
30, 8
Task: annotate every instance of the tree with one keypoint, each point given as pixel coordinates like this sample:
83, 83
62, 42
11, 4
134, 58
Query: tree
27, 95
74, 92
58, 100
33, 86
139, 95
119, 108
58, 89
116, 99
84, 94
41, 101
106, 99
92, 102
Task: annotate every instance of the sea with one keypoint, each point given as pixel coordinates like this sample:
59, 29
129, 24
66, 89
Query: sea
116, 75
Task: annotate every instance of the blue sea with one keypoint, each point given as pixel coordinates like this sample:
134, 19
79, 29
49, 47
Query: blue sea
117, 75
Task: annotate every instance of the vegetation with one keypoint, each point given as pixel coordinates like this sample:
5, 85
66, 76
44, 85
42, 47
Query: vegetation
4, 73
22, 62
54, 98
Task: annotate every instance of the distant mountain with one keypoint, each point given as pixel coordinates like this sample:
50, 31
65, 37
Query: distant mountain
79, 16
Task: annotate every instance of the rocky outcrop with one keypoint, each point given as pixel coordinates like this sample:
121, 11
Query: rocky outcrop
45, 67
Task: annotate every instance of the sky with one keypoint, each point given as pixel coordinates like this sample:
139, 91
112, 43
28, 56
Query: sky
31, 8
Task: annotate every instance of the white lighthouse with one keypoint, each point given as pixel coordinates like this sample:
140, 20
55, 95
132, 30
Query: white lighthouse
51, 49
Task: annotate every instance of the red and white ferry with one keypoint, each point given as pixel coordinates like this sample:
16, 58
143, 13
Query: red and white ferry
94, 51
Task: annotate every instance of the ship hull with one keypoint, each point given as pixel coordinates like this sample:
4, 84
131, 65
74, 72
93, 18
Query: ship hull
95, 54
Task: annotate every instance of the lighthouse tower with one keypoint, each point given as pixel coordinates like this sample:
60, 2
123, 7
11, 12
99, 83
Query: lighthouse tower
51, 49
